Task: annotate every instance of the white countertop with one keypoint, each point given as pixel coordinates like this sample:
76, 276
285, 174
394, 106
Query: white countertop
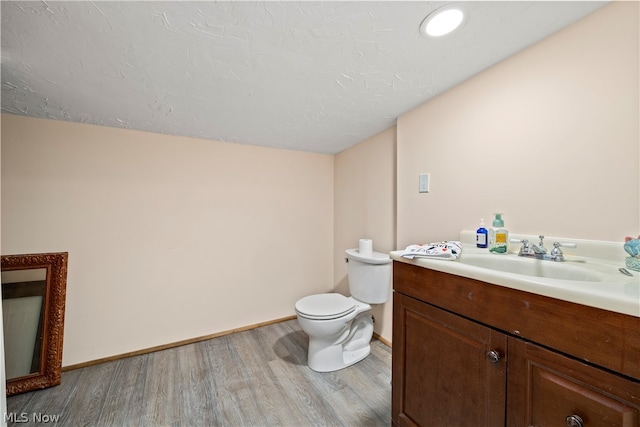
617, 292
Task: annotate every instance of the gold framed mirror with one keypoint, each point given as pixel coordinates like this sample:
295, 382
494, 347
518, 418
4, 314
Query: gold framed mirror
33, 303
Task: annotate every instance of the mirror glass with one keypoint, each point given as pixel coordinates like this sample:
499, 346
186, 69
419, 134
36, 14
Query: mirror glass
23, 293
33, 299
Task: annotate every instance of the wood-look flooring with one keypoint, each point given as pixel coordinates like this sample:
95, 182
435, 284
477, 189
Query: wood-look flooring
252, 378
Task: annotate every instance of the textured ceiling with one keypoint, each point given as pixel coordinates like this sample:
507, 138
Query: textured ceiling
312, 76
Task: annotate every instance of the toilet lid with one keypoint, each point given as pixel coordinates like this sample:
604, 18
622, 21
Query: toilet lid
325, 306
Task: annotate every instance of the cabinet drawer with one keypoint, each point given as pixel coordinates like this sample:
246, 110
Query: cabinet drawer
548, 389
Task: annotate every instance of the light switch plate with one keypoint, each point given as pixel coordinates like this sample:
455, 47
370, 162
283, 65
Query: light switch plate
424, 181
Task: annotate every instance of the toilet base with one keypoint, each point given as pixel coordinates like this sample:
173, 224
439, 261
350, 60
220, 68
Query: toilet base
351, 346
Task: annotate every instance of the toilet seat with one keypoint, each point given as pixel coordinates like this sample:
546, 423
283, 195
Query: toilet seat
325, 306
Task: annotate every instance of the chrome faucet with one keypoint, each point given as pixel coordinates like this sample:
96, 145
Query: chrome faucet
540, 249
540, 252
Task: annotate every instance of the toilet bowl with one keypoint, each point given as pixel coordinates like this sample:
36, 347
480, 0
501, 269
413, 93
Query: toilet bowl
340, 328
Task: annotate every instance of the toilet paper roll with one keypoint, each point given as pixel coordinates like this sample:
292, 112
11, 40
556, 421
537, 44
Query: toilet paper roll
365, 247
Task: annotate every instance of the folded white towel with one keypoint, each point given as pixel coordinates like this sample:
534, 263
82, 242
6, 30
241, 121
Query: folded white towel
447, 250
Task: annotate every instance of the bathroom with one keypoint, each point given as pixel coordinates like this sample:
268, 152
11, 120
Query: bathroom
548, 136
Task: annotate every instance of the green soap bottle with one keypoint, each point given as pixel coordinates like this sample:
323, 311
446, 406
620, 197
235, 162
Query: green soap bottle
498, 236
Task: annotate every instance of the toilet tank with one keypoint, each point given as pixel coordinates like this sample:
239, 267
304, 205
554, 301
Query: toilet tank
369, 276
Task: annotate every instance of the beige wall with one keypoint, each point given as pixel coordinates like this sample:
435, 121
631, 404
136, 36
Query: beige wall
169, 238
364, 202
549, 137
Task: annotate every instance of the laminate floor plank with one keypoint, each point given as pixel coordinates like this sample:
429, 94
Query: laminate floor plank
309, 406
251, 378
57, 399
85, 405
229, 385
267, 396
160, 398
123, 402
196, 393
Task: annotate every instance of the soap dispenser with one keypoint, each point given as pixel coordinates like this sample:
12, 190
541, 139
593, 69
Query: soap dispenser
498, 236
482, 236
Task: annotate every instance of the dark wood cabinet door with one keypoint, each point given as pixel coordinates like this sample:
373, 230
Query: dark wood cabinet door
445, 371
548, 389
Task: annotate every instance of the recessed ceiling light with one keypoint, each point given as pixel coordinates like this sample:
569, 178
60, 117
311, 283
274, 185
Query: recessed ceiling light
442, 21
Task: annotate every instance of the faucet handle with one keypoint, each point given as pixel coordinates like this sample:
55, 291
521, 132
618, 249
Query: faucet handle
556, 251
565, 244
525, 248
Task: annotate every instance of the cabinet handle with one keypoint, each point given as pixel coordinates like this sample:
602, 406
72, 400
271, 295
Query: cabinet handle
574, 421
493, 356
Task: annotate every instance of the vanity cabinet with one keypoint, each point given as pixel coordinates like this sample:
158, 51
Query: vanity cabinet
469, 353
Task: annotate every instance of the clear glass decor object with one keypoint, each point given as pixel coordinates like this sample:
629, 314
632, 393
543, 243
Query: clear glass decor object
632, 247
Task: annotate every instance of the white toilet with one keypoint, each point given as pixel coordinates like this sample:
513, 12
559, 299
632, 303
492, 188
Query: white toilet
340, 328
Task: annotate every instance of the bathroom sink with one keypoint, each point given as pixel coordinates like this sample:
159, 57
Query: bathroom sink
590, 274
532, 267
